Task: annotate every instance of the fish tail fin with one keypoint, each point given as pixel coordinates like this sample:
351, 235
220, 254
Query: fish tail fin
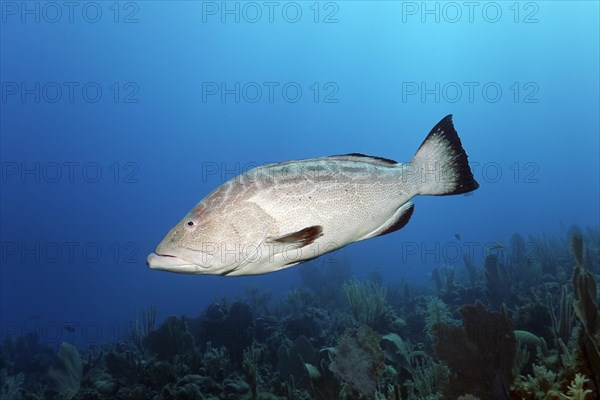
441, 165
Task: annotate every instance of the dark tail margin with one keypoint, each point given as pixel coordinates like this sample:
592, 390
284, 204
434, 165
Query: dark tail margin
442, 164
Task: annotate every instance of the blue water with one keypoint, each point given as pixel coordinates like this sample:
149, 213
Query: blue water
117, 118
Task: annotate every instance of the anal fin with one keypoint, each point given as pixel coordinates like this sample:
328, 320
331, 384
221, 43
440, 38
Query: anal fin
396, 222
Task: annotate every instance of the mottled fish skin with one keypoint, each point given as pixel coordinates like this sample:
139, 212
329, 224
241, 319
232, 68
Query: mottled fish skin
278, 215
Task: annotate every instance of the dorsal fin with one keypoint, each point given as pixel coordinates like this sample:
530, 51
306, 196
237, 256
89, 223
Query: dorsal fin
364, 158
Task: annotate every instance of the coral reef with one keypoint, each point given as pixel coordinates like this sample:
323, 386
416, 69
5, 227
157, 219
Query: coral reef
359, 360
534, 317
171, 339
368, 303
480, 353
250, 367
437, 314
26, 354
65, 376
230, 326
258, 300
10, 386
525, 269
338, 337
563, 323
586, 309
141, 326
497, 281
292, 359
576, 390
471, 270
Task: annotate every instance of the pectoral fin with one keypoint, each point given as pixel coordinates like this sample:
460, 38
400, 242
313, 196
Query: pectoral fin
300, 238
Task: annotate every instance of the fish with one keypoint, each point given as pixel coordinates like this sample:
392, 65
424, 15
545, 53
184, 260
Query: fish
279, 215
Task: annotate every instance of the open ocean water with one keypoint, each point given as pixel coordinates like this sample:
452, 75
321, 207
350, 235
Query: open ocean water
117, 117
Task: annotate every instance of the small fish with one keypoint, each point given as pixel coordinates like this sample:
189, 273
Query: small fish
275, 216
457, 236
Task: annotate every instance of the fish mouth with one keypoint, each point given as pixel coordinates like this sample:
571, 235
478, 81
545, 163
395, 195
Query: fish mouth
164, 255
167, 262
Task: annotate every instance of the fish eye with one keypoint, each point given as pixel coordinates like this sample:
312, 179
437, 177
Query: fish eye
190, 223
